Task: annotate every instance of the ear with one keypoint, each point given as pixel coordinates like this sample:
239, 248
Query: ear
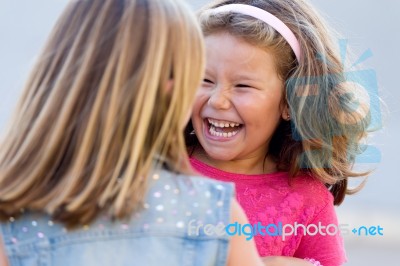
285, 112
169, 86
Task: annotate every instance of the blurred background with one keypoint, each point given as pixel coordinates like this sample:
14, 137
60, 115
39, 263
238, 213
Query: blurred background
373, 25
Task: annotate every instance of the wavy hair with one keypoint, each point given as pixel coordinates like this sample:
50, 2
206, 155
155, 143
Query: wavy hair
96, 115
323, 136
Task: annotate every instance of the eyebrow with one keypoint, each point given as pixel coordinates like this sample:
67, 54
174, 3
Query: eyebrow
248, 78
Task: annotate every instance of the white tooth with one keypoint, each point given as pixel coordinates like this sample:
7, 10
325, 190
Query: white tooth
237, 124
220, 134
229, 134
225, 135
232, 124
226, 124
221, 124
234, 133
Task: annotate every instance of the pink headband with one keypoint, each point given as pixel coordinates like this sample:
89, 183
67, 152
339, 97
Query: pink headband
268, 18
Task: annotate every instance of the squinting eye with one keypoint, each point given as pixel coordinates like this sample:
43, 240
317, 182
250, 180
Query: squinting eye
243, 86
207, 81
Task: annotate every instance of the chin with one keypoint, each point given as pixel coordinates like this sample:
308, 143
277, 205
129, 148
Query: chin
220, 156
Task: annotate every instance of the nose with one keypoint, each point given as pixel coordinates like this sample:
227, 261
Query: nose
219, 98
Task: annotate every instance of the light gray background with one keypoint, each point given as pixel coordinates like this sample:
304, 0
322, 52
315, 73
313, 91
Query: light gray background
375, 25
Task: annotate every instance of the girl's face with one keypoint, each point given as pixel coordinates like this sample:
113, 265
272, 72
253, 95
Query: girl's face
238, 105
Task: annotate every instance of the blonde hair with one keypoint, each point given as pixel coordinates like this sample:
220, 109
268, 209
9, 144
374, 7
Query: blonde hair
96, 113
323, 137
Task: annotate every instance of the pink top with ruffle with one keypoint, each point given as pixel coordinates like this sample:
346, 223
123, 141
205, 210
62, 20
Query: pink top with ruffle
270, 200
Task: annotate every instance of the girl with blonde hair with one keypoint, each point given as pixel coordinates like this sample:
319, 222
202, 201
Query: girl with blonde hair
94, 168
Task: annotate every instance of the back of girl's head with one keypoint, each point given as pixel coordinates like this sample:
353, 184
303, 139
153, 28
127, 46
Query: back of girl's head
97, 110
323, 135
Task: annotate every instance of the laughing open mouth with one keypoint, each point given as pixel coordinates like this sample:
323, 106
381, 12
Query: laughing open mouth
220, 128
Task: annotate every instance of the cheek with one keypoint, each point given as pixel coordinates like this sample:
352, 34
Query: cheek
200, 100
196, 114
196, 109
259, 111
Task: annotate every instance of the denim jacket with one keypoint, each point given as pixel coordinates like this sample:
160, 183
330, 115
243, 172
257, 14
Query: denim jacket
167, 231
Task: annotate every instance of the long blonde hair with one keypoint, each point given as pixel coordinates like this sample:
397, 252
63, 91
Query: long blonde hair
323, 137
96, 112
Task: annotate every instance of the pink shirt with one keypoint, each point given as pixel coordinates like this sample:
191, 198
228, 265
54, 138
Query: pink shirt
271, 200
